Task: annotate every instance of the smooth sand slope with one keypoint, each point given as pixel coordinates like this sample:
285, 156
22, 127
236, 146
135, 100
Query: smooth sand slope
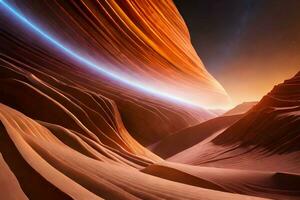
241, 108
188, 137
256, 183
193, 135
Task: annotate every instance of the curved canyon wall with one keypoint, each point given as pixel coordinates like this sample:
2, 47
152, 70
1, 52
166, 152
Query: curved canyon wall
143, 41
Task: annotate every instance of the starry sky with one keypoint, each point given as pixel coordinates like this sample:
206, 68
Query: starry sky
247, 45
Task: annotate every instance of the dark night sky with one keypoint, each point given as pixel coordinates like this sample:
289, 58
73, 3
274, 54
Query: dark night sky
248, 45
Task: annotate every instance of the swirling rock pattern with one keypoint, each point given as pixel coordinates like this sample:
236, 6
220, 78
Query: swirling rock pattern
146, 41
68, 132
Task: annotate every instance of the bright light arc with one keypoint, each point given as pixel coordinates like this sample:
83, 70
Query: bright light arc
43, 34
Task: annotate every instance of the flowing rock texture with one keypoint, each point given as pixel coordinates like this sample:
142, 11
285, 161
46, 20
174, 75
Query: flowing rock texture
144, 41
68, 131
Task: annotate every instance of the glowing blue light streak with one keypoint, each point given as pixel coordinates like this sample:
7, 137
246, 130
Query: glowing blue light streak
43, 34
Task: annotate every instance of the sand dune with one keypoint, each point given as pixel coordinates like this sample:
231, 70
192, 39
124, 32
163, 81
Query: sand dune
193, 135
188, 137
255, 183
240, 109
10, 187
